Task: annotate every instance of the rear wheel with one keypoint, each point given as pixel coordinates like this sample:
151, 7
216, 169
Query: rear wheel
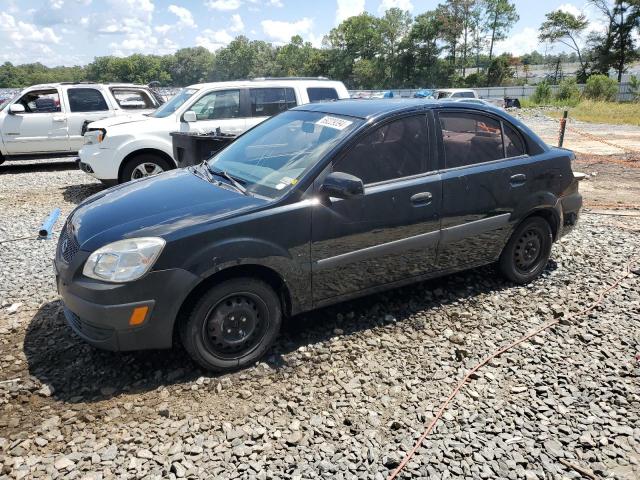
232, 325
144, 165
527, 252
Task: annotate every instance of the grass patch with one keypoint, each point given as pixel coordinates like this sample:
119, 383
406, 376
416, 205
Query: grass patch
603, 112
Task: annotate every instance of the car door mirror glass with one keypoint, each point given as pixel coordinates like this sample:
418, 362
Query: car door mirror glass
16, 108
342, 185
190, 116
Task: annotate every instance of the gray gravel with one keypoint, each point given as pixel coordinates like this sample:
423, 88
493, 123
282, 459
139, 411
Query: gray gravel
346, 391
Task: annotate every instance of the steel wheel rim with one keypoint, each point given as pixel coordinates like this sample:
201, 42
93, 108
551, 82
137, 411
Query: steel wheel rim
235, 326
528, 250
146, 169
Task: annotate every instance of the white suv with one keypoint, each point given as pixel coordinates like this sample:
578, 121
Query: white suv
119, 150
49, 120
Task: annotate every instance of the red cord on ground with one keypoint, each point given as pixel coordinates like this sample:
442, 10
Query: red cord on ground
497, 353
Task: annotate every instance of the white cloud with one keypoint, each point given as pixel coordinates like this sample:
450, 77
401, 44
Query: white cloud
19, 32
185, 18
348, 8
237, 25
401, 4
275, 3
283, 31
224, 5
162, 29
213, 40
524, 41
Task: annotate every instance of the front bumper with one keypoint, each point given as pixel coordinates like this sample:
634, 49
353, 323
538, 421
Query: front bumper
99, 162
100, 312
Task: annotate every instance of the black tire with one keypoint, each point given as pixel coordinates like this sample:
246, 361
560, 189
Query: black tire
133, 167
526, 254
214, 333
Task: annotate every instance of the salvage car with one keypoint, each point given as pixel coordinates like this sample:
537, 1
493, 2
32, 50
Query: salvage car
49, 120
120, 150
319, 204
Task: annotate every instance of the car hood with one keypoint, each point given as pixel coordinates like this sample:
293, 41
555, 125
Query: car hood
163, 206
124, 120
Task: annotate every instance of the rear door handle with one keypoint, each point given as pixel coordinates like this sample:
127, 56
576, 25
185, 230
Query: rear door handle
422, 198
518, 179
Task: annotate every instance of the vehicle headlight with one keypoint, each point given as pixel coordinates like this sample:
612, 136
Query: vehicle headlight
93, 137
124, 260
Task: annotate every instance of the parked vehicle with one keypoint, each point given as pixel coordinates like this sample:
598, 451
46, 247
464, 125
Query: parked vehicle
117, 151
468, 93
319, 204
49, 120
474, 101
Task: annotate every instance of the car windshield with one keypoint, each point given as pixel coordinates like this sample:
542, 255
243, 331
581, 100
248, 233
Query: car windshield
272, 157
174, 103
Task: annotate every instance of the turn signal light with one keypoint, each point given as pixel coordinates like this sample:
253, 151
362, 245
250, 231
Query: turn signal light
138, 315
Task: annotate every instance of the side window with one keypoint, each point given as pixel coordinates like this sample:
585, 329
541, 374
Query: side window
130, 99
218, 105
513, 143
86, 100
470, 138
41, 101
318, 94
395, 150
266, 102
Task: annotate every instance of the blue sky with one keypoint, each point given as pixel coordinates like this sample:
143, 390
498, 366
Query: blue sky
68, 32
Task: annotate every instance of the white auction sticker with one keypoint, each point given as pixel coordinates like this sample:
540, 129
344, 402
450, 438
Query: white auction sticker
334, 122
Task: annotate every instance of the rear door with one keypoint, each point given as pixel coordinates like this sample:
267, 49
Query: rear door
391, 232
266, 102
42, 128
484, 173
84, 104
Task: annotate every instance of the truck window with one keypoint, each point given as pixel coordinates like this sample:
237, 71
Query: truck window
86, 100
266, 102
218, 105
321, 94
132, 99
41, 101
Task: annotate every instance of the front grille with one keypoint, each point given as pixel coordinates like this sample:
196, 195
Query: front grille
67, 245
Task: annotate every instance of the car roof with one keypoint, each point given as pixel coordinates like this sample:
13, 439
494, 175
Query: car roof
87, 84
267, 82
455, 90
366, 108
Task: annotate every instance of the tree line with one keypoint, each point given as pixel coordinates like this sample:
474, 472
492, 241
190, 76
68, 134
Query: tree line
451, 45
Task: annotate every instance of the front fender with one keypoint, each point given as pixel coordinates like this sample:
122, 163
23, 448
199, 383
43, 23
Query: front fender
136, 143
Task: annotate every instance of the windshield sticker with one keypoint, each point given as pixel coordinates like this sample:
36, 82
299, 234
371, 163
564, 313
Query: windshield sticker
334, 122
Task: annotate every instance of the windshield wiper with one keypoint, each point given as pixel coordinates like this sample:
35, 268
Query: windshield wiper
226, 176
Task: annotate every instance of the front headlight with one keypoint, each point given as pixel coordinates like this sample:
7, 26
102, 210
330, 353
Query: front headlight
124, 260
93, 137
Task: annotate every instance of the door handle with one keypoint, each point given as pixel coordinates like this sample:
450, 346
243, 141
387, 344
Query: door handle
517, 180
58, 119
422, 198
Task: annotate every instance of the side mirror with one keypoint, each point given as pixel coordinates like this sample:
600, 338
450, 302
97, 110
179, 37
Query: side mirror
190, 116
16, 108
342, 185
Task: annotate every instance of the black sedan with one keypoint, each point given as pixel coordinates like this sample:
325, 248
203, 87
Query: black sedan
322, 203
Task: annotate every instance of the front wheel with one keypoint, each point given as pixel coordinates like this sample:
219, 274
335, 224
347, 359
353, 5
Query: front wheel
232, 325
144, 165
527, 252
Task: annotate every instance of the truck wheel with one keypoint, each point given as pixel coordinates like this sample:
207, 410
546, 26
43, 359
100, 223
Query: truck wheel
144, 165
527, 252
232, 325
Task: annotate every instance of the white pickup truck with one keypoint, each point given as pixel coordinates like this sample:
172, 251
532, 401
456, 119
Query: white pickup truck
49, 120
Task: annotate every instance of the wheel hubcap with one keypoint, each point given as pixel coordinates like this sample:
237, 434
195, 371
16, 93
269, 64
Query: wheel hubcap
528, 249
146, 169
235, 325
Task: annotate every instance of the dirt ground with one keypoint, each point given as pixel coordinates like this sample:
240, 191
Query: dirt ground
613, 181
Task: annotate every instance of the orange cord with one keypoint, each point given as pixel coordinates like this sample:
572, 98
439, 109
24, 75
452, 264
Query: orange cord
498, 352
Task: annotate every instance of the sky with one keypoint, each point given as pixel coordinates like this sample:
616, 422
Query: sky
73, 32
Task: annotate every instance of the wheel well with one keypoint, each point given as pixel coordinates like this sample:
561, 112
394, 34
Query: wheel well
267, 275
151, 151
551, 219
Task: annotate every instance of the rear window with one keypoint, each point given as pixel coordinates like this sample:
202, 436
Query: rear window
513, 143
266, 102
86, 100
321, 94
133, 99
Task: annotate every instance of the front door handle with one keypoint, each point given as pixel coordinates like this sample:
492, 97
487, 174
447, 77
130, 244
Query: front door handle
59, 119
422, 198
517, 180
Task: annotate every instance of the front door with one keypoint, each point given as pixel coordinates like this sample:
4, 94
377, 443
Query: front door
219, 109
391, 232
42, 128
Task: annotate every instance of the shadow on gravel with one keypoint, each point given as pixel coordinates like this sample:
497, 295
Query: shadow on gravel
81, 373
37, 166
77, 193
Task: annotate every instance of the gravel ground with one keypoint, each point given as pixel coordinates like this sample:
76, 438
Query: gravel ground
346, 391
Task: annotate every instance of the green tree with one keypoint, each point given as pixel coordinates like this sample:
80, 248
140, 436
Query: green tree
542, 93
601, 87
501, 15
395, 26
499, 70
189, 65
424, 67
565, 28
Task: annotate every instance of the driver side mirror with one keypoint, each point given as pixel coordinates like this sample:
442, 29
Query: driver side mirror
16, 108
342, 185
190, 116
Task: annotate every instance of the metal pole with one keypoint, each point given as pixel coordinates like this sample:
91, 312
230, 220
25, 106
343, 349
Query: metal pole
563, 126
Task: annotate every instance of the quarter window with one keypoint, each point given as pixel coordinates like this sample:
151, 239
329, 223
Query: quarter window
266, 102
395, 150
218, 105
470, 139
322, 94
514, 147
86, 100
41, 101
129, 99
